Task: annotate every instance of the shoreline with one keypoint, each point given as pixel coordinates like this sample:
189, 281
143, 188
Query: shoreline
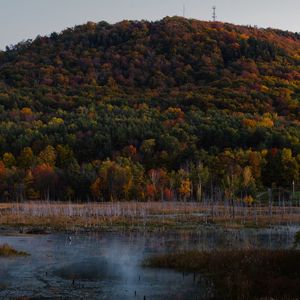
36, 230
37, 217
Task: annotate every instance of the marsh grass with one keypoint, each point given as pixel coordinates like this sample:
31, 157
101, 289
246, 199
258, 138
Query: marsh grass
8, 251
241, 274
162, 215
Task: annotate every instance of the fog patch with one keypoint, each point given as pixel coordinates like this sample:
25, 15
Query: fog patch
94, 269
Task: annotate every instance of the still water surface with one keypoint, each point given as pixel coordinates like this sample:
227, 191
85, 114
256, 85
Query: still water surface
109, 265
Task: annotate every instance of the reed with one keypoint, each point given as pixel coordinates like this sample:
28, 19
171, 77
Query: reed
8, 251
240, 274
64, 215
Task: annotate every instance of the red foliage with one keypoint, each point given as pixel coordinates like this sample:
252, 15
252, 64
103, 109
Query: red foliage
150, 191
168, 194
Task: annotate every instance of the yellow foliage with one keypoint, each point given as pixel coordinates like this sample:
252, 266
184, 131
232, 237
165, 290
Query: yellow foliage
264, 152
264, 89
266, 122
248, 200
249, 123
175, 111
56, 121
185, 188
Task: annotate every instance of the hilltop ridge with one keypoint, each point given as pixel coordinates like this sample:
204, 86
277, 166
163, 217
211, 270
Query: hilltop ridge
171, 58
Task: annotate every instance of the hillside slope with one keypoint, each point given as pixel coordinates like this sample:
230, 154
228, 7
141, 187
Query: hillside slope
163, 95
257, 70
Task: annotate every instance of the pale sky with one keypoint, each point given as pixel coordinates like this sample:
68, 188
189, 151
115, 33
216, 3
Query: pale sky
24, 19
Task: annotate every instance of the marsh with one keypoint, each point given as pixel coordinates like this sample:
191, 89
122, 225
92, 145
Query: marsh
110, 265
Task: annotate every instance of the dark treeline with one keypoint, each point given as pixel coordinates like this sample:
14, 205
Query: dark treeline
176, 109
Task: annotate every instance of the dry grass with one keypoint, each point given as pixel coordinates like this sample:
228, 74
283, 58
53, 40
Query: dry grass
241, 274
61, 216
8, 251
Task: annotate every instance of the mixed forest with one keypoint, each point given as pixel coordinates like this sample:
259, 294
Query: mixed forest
176, 109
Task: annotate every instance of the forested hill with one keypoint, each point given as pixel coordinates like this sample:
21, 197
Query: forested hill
204, 64
156, 104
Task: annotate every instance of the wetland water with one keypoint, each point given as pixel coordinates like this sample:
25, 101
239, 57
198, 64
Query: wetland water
109, 265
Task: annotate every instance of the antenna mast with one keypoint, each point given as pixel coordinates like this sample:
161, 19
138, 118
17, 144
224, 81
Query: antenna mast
183, 11
214, 16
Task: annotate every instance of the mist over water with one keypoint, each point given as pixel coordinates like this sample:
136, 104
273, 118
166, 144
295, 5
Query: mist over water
109, 265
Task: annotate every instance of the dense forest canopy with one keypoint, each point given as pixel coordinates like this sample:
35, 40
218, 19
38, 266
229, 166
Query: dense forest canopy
174, 109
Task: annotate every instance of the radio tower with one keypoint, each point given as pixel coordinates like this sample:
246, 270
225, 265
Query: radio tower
214, 16
183, 11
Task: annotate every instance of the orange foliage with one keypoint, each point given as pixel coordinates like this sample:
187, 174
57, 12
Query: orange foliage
168, 194
185, 188
150, 191
96, 188
2, 169
42, 171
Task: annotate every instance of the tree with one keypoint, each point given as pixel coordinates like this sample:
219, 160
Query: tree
117, 180
44, 179
9, 159
147, 148
26, 158
199, 177
96, 188
185, 189
150, 192
26, 114
231, 183
248, 181
48, 156
281, 168
289, 168
65, 156
30, 192
3, 174
159, 179
255, 163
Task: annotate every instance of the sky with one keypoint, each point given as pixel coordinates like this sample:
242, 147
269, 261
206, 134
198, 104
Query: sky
25, 19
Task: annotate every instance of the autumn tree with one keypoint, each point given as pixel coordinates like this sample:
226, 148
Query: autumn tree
48, 156
26, 158
44, 179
